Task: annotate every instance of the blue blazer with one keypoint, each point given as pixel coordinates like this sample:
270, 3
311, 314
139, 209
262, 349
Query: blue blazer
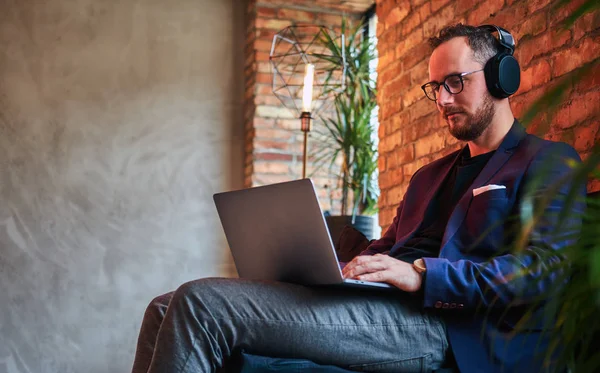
471, 282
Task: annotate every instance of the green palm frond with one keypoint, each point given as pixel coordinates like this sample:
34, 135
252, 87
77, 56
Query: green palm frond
348, 133
572, 304
583, 9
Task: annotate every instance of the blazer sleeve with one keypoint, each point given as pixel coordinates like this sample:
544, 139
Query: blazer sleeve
510, 279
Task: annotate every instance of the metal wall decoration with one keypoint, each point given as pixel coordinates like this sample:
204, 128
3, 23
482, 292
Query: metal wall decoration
306, 75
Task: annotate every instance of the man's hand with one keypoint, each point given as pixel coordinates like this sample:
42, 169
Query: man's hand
384, 268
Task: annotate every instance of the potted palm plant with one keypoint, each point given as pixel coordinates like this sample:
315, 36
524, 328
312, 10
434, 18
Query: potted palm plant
346, 136
574, 303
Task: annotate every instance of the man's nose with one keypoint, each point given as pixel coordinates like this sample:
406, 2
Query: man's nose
444, 97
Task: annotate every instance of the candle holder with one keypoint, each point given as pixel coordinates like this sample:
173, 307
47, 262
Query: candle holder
305, 127
306, 76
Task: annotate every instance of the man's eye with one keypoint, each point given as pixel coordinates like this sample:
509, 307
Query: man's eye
453, 81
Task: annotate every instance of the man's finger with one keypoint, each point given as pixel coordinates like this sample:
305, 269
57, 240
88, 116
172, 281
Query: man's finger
379, 276
366, 267
353, 263
364, 263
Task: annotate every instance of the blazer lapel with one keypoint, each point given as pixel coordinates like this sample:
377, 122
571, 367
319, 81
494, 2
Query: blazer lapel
502, 155
432, 189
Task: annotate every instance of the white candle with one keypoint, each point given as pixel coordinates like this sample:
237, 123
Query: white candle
307, 91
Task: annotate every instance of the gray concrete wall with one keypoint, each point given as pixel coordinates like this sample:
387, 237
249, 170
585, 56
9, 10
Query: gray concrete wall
118, 121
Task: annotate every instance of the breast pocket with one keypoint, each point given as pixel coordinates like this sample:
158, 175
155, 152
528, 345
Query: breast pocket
485, 220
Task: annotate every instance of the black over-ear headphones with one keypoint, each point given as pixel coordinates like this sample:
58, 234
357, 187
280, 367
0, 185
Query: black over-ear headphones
502, 72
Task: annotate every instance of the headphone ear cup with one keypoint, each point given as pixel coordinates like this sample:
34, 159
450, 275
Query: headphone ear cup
502, 75
509, 75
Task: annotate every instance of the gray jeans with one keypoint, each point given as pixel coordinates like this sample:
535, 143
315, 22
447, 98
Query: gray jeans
200, 325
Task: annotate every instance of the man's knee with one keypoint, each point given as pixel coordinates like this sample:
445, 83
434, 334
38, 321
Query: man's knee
199, 289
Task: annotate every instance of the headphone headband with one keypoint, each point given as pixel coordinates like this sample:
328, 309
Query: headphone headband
504, 37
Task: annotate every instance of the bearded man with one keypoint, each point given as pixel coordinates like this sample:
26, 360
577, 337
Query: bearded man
447, 250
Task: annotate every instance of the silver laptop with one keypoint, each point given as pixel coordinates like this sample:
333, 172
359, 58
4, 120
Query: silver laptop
277, 232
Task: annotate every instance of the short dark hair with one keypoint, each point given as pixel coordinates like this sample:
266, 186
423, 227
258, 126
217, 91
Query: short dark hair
482, 42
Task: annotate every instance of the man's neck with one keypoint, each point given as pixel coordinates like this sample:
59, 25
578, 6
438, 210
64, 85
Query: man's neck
492, 137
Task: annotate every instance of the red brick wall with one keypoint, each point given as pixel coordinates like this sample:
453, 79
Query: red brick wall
273, 137
411, 132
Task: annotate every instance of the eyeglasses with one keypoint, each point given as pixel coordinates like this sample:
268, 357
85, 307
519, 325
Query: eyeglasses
452, 83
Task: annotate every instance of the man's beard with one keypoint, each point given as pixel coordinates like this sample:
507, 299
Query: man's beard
474, 124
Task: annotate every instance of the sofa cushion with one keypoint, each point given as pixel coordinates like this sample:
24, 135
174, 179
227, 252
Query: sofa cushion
350, 243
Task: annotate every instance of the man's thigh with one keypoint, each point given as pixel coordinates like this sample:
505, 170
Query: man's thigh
375, 330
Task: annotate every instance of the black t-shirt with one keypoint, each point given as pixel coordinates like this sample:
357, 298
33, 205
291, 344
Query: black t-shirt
427, 240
